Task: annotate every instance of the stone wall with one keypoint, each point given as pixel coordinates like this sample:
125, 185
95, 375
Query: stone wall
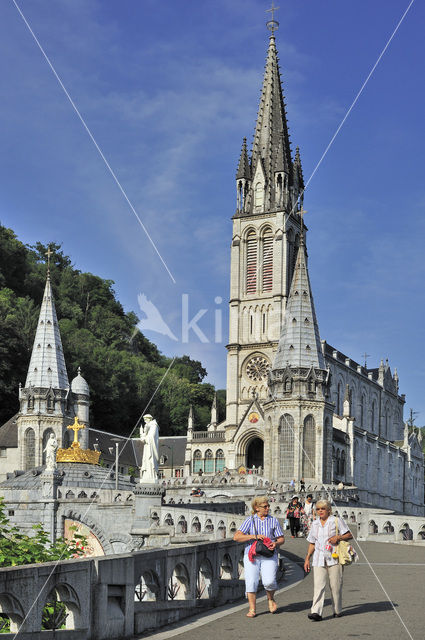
117, 597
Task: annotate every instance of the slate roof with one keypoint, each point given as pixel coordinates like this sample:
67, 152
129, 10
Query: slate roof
299, 343
130, 451
178, 445
9, 433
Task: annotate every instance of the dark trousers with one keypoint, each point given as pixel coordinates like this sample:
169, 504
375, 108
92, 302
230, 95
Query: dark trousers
294, 525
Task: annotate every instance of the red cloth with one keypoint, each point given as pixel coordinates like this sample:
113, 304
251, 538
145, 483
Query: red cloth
253, 548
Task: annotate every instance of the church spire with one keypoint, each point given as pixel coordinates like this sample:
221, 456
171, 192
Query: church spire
271, 151
299, 344
47, 365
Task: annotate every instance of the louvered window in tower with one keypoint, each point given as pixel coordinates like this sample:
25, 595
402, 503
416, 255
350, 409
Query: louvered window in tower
267, 261
287, 442
309, 448
251, 263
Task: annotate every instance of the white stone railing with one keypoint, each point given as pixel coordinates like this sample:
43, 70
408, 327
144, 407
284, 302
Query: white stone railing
117, 597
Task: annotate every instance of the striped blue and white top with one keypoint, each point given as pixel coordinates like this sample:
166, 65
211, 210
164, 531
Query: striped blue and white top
268, 527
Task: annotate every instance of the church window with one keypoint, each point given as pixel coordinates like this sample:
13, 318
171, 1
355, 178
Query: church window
309, 448
264, 323
251, 263
197, 462
287, 441
343, 463
209, 461
29, 440
279, 190
240, 196
219, 460
373, 415
339, 399
338, 462
257, 368
251, 324
267, 260
362, 411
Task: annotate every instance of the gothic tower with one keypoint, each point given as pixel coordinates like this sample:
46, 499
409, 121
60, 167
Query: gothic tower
298, 414
266, 231
47, 403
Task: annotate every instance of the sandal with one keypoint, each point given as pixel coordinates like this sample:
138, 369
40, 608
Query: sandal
251, 613
272, 606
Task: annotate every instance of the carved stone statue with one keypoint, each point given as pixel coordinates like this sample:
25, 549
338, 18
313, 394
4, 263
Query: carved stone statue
149, 435
50, 451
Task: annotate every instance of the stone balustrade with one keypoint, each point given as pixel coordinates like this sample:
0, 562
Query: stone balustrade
120, 596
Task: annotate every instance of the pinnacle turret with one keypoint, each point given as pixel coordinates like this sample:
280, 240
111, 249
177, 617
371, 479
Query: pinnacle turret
244, 169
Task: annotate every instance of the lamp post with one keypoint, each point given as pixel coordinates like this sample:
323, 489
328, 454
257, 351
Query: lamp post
165, 446
117, 441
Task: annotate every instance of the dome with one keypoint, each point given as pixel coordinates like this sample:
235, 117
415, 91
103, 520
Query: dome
79, 385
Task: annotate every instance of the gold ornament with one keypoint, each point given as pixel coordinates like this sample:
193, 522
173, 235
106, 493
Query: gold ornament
75, 453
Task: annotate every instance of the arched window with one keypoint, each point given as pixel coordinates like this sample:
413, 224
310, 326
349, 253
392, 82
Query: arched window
267, 261
197, 461
373, 414
29, 449
209, 461
338, 399
219, 460
287, 440
362, 411
251, 262
309, 448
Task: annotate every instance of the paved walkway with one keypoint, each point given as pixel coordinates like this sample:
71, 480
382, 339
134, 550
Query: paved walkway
367, 610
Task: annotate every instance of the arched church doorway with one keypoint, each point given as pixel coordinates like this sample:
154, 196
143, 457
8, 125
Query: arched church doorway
255, 454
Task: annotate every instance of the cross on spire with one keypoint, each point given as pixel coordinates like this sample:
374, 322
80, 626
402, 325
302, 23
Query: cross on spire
365, 356
272, 25
49, 253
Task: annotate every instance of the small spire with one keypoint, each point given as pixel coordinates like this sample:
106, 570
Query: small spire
244, 169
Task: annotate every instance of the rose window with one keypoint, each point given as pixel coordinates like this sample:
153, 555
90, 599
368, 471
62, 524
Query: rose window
257, 368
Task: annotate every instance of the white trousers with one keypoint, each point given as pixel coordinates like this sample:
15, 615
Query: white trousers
320, 574
267, 567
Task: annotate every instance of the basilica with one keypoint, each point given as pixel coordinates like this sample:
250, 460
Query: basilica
297, 407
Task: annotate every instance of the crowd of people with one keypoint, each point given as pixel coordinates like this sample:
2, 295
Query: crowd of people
299, 516
262, 535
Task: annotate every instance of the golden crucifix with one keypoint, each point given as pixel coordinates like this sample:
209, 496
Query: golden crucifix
76, 428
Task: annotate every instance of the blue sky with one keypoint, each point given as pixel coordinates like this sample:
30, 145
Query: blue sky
168, 90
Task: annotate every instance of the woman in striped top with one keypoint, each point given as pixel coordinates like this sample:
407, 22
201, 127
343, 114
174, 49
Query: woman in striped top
266, 527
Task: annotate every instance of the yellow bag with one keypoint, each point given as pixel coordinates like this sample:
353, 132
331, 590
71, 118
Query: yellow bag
345, 552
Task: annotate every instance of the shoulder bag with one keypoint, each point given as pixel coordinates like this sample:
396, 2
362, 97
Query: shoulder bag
346, 553
261, 549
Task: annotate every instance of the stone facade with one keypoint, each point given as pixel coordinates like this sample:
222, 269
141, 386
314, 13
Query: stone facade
297, 407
